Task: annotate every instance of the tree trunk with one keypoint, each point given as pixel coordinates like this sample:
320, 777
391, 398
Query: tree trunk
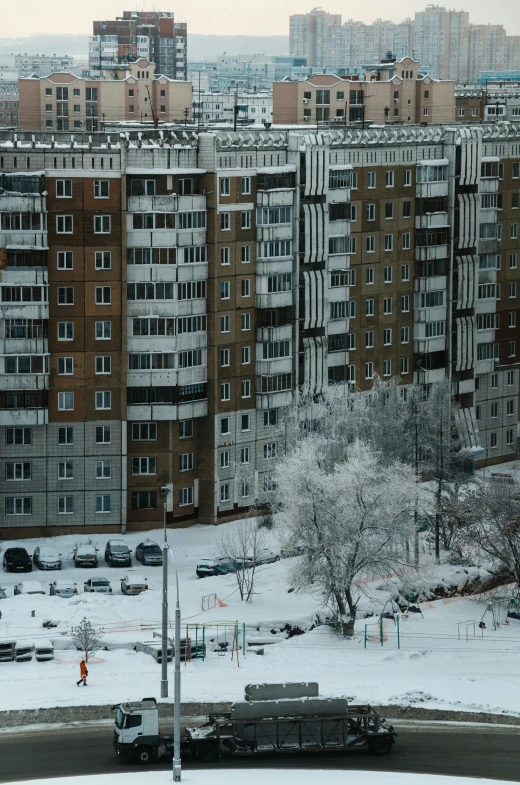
348, 627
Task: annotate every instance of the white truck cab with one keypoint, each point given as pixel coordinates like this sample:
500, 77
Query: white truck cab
136, 732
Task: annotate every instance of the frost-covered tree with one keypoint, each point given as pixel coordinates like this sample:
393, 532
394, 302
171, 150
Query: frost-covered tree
350, 518
86, 639
241, 546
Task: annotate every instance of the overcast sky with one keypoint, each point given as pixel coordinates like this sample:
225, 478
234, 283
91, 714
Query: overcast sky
228, 17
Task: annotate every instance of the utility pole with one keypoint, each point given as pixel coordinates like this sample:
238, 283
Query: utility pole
177, 685
164, 654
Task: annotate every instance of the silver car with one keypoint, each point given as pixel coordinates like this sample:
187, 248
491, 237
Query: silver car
29, 587
133, 584
64, 589
46, 557
99, 585
85, 556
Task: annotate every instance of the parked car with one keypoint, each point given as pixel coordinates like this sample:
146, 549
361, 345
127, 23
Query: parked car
265, 556
85, 556
46, 557
118, 554
133, 584
29, 587
149, 553
63, 589
17, 560
99, 585
221, 566
288, 551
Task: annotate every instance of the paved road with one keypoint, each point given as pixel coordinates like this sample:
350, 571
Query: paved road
429, 749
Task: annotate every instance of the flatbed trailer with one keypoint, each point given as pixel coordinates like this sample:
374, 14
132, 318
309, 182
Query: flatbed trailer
359, 728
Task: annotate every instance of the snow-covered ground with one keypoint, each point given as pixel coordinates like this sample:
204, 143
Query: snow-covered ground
433, 668
261, 776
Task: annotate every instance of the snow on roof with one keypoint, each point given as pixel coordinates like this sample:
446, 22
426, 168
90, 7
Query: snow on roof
277, 169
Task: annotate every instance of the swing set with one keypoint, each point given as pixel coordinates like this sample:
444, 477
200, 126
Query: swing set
499, 611
221, 637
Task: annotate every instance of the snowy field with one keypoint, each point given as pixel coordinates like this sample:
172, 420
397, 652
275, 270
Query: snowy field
432, 669
273, 776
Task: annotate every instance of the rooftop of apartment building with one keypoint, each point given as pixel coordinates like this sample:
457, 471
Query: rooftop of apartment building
120, 72
395, 71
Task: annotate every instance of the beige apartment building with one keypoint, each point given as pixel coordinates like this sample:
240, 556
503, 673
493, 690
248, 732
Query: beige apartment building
392, 93
133, 91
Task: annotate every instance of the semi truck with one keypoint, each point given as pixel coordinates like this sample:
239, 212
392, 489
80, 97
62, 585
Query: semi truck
286, 718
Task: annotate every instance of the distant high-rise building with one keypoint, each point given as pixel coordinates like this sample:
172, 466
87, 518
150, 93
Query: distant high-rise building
154, 35
444, 41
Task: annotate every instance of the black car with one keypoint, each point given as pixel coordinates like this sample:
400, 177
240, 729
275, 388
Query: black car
118, 554
149, 553
17, 560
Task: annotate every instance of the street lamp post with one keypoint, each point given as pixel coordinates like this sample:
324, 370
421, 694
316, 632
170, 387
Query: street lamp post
177, 690
164, 655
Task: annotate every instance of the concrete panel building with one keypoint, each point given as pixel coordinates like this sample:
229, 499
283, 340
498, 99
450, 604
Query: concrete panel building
163, 296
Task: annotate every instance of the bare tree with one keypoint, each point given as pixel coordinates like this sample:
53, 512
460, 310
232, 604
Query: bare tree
242, 545
86, 639
491, 525
349, 518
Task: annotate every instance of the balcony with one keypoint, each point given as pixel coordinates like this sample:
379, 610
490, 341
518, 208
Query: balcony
274, 300
431, 220
429, 253
167, 378
166, 308
274, 400
153, 204
137, 344
273, 367
429, 377
270, 334
162, 412
23, 408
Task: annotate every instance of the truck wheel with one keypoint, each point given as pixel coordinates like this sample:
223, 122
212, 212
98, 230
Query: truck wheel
144, 755
381, 746
208, 753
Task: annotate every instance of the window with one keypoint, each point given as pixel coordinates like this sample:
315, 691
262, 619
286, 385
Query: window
103, 470
64, 224
269, 484
224, 290
389, 211
103, 365
65, 401
387, 367
387, 305
65, 260
369, 370
369, 275
103, 400
512, 319
246, 422
17, 471
225, 391
18, 505
225, 255
407, 179
512, 290
103, 260
225, 461
101, 224
387, 336
369, 339
370, 307
372, 182
101, 189
509, 437
103, 295
143, 188
103, 503
405, 365
66, 435
405, 303
225, 222
405, 335
65, 366
103, 434
65, 505
63, 189
388, 275
246, 254
144, 465
511, 348
185, 429
244, 455
225, 186
371, 212
390, 178
144, 500
225, 324
405, 272
246, 321
185, 496
371, 243
103, 331
246, 219
510, 408
514, 231
65, 295
225, 424
246, 388
513, 261
18, 436
224, 492
224, 357
493, 441
406, 241
246, 185
389, 242
246, 287
65, 470
494, 410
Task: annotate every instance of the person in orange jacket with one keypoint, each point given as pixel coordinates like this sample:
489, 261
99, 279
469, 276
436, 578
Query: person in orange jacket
83, 673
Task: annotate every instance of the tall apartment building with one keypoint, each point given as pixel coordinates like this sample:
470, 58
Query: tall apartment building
308, 35
391, 93
163, 295
153, 35
444, 41
9, 101
222, 107
132, 91
41, 65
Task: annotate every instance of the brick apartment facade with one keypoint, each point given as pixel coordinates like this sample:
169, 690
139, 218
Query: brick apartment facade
163, 296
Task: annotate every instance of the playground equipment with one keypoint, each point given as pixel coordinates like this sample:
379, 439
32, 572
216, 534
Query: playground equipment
500, 610
466, 626
413, 605
221, 637
390, 609
378, 635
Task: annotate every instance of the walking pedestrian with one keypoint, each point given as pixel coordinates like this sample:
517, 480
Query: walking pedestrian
83, 673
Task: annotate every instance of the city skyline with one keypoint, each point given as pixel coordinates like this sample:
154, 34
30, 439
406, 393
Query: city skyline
265, 18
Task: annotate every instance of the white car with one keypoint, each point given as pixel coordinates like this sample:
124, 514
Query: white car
45, 557
99, 585
265, 556
29, 587
133, 584
63, 589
